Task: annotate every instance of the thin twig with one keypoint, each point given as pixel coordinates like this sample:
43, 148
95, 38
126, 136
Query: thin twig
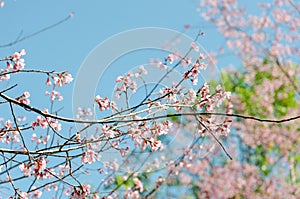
20, 39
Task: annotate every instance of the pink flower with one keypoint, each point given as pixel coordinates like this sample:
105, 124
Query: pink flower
126, 83
67, 78
8, 125
19, 64
109, 134
55, 124
24, 195
22, 52
46, 139
119, 79
57, 81
24, 168
48, 82
1, 4
103, 103
155, 145
4, 77
170, 58
62, 169
26, 94
62, 79
33, 137
37, 193
9, 66
24, 98
67, 192
42, 122
89, 157
40, 166
143, 70
81, 192
138, 185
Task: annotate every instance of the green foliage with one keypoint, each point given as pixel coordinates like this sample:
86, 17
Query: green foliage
119, 180
235, 83
260, 160
174, 119
281, 105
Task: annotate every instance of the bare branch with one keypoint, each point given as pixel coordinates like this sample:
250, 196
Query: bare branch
20, 39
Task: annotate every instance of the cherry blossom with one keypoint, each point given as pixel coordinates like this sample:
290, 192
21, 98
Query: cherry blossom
81, 192
138, 184
39, 168
25, 169
62, 79
89, 157
127, 83
155, 144
37, 193
24, 98
42, 122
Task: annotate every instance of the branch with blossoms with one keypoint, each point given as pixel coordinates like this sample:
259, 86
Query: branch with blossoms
88, 149
138, 129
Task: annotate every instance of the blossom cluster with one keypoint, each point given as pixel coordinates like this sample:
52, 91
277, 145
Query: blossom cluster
46, 122
39, 170
60, 79
80, 192
57, 80
126, 83
194, 72
104, 103
9, 134
14, 62
24, 98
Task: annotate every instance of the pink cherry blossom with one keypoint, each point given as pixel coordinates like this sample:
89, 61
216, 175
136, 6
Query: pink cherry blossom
119, 79
8, 125
37, 193
107, 131
48, 82
155, 144
24, 195
89, 157
81, 192
24, 98
24, 168
138, 184
62, 79
39, 169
